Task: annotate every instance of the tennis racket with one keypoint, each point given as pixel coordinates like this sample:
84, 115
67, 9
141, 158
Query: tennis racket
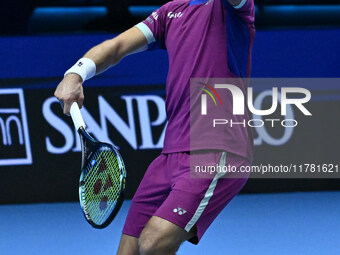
102, 178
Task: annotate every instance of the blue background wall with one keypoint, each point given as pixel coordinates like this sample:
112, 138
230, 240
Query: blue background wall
291, 53
37, 64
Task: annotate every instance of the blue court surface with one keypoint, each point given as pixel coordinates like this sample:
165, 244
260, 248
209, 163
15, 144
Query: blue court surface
292, 223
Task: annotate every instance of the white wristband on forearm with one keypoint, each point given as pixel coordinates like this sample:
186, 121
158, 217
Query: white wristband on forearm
85, 68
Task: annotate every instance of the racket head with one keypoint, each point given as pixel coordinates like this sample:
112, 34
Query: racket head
102, 181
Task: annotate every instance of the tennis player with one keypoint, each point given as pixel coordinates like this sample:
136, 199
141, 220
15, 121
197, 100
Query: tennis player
204, 38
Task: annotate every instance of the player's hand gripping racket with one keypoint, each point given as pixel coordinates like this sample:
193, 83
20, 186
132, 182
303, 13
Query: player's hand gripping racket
102, 179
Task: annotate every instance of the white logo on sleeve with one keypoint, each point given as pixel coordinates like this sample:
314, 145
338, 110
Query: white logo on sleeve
180, 211
172, 15
155, 15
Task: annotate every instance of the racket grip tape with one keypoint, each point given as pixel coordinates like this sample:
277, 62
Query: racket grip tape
77, 119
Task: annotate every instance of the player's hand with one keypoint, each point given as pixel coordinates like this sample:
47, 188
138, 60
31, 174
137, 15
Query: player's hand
70, 90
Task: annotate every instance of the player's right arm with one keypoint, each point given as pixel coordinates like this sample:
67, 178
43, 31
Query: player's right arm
98, 59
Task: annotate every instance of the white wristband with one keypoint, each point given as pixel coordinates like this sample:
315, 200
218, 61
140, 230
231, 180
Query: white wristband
85, 68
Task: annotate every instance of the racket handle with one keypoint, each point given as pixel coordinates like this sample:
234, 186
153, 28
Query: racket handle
76, 116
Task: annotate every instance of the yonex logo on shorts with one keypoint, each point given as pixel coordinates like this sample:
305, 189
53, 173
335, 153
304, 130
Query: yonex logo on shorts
180, 211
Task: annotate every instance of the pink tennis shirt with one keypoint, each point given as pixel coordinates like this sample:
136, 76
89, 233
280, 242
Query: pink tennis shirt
204, 39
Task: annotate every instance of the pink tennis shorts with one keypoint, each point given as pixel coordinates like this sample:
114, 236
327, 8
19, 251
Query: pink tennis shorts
171, 191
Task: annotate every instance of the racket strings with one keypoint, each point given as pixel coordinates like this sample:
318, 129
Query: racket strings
102, 185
